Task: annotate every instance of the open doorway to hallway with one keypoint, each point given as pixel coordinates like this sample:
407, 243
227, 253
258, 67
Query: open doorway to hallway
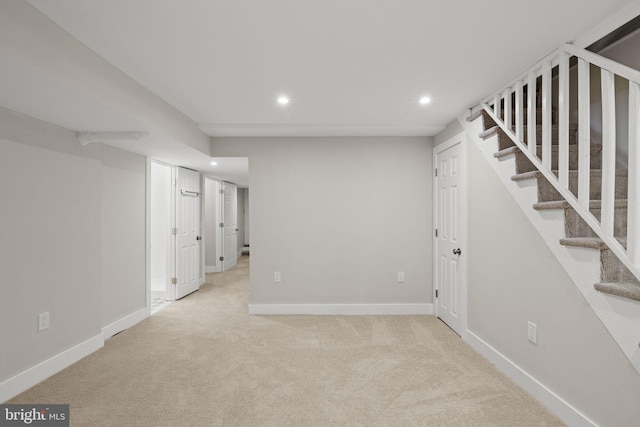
220, 230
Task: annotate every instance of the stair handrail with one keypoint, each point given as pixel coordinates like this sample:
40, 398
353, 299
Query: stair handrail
512, 125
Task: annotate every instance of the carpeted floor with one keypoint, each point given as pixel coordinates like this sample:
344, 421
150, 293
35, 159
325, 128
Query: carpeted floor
203, 361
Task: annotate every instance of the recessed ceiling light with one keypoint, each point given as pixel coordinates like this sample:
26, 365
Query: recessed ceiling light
214, 163
424, 100
283, 100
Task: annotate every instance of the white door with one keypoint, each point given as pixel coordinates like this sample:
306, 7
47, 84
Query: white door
187, 273
229, 205
449, 221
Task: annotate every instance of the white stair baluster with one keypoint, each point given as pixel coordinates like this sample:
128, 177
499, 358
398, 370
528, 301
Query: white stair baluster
584, 133
519, 120
508, 110
531, 113
546, 115
563, 120
608, 151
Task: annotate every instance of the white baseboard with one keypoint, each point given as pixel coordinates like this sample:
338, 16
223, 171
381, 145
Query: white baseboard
125, 323
341, 309
32, 376
535, 388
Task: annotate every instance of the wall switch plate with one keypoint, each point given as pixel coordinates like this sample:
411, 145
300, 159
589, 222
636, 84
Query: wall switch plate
43, 321
532, 332
277, 278
400, 276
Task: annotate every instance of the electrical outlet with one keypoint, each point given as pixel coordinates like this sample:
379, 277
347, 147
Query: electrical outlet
43, 321
532, 332
277, 278
400, 276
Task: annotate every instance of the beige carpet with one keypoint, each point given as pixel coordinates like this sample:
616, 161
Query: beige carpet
203, 361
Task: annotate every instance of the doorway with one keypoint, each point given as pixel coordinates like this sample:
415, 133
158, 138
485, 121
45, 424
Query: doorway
161, 220
176, 265
449, 215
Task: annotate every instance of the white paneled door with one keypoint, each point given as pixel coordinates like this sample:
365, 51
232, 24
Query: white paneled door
187, 231
448, 218
229, 204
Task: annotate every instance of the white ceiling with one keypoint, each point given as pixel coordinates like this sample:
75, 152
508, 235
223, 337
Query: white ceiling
350, 67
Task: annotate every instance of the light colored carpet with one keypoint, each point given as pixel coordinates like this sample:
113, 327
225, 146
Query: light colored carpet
203, 361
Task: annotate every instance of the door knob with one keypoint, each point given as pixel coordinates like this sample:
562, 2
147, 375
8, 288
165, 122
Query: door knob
198, 238
457, 251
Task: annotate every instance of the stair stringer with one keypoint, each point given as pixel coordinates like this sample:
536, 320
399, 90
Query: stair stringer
620, 316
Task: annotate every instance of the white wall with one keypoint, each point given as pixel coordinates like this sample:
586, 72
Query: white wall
514, 278
338, 217
122, 211
73, 244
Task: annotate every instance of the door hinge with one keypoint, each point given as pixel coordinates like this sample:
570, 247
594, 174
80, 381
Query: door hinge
221, 224
221, 191
436, 293
174, 280
436, 171
174, 231
221, 258
436, 232
174, 181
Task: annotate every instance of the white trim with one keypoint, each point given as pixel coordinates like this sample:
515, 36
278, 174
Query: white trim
212, 269
125, 323
40, 372
558, 406
460, 138
341, 309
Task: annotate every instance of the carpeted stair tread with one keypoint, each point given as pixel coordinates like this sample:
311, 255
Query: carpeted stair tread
563, 204
487, 121
494, 130
621, 289
536, 174
589, 242
476, 114
595, 148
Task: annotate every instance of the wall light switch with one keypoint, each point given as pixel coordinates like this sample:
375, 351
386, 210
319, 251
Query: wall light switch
43, 321
532, 332
277, 278
400, 276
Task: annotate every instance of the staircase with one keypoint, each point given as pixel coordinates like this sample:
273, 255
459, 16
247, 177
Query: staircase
574, 171
615, 277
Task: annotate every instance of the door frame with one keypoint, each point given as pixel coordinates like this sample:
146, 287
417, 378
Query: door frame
222, 220
461, 139
171, 238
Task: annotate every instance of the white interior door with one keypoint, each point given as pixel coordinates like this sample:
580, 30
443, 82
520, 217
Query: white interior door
188, 237
229, 205
449, 223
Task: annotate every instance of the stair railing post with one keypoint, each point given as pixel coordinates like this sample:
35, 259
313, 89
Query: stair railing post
496, 106
584, 133
608, 151
563, 119
633, 210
